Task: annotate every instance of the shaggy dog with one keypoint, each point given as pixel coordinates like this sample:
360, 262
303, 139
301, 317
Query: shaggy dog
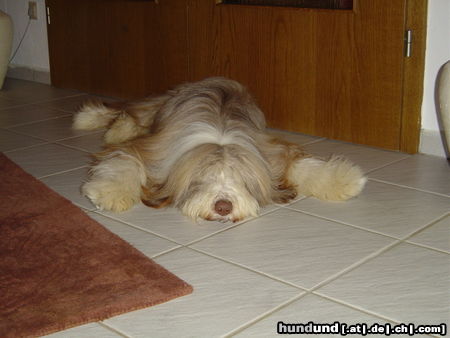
203, 148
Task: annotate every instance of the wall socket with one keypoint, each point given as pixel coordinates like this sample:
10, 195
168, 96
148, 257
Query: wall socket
32, 10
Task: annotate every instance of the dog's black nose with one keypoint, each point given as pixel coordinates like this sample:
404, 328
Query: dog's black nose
223, 207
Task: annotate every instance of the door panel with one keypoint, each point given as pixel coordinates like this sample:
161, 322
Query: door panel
331, 73
124, 48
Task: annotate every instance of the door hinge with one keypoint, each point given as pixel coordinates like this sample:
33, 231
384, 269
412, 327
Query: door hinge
408, 42
48, 15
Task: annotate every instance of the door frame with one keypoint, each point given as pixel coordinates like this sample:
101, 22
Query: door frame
413, 76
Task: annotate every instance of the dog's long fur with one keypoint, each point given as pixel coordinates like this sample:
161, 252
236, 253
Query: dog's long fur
199, 144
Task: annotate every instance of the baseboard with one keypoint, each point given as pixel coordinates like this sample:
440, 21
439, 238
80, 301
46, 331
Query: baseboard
29, 74
432, 142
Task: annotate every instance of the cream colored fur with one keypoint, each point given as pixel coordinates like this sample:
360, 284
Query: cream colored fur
93, 115
115, 182
334, 180
201, 144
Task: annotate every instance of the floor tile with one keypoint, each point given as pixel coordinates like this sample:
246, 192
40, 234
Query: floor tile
10, 140
90, 142
146, 243
27, 114
86, 331
407, 283
71, 104
425, 172
294, 137
68, 184
367, 158
383, 208
436, 236
224, 297
6, 103
294, 247
315, 309
51, 130
48, 159
29, 92
168, 223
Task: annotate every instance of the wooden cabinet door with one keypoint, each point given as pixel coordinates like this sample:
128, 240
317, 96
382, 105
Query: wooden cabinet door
331, 73
122, 48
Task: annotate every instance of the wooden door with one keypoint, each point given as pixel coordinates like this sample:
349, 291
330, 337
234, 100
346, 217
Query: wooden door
340, 74
122, 48
330, 73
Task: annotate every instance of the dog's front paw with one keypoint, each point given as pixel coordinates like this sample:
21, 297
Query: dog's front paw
110, 196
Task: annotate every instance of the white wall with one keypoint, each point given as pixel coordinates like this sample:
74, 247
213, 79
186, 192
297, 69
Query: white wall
33, 52
437, 53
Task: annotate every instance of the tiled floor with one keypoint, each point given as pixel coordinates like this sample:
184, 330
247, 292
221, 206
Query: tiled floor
383, 257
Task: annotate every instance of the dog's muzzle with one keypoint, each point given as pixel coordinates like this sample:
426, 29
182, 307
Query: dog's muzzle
223, 207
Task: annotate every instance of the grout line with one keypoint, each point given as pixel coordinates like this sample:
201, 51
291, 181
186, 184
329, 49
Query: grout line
28, 135
98, 211
408, 187
406, 238
109, 327
232, 226
167, 251
71, 147
26, 147
355, 307
84, 133
35, 121
264, 315
387, 164
38, 102
61, 172
264, 274
322, 139
304, 292
363, 310
425, 246
430, 224
355, 265
84, 208
22, 133
314, 289
342, 223
87, 152
178, 245
399, 238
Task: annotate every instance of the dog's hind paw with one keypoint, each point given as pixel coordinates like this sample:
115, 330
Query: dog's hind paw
345, 180
334, 180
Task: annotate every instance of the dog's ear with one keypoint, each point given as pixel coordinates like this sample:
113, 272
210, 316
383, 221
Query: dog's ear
157, 204
153, 201
284, 194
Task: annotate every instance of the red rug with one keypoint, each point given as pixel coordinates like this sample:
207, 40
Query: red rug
59, 268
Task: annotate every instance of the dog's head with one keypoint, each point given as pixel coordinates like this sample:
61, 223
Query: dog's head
219, 182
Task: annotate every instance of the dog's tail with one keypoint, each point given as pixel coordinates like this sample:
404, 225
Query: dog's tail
94, 115
335, 180
124, 120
